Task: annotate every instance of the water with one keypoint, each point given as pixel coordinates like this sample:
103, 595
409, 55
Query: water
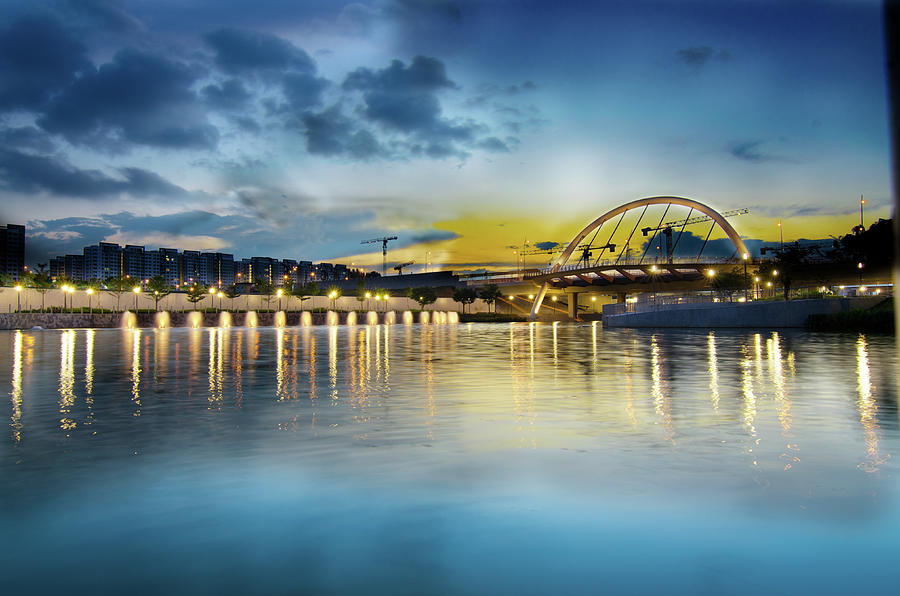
448, 459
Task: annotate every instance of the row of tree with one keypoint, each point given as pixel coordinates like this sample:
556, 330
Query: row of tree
156, 288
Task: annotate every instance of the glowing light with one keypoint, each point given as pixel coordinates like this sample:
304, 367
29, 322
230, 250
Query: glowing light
711, 273
18, 288
554, 298
531, 296
90, 291
136, 289
654, 268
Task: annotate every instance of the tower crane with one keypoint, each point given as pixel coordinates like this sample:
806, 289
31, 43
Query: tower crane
384, 240
666, 228
399, 268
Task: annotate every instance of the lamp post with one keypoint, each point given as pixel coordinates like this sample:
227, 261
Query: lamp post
71, 291
332, 296
279, 292
18, 297
368, 295
136, 290
212, 297
90, 293
745, 258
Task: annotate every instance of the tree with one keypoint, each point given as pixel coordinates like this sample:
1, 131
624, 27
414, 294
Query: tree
195, 294
41, 282
464, 296
728, 283
158, 289
266, 289
116, 286
305, 291
231, 292
424, 296
362, 295
333, 294
490, 293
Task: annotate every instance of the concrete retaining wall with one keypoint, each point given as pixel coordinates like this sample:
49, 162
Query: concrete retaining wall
793, 313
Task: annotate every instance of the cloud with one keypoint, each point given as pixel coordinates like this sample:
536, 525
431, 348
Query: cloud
546, 245
752, 151
433, 236
28, 173
331, 133
26, 137
493, 145
696, 57
137, 98
403, 100
108, 14
242, 51
230, 95
37, 59
303, 90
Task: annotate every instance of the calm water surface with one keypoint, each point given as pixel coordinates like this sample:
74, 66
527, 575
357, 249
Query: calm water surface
448, 459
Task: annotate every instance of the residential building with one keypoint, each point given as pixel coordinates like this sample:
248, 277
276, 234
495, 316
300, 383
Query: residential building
133, 261
12, 250
102, 261
218, 268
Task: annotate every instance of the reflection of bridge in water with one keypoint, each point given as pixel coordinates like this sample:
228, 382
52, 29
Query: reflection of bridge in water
573, 271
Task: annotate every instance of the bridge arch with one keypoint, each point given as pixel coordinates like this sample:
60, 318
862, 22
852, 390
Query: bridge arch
636, 204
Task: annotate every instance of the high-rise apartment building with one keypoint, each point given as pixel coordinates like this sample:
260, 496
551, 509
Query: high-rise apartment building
102, 261
12, 250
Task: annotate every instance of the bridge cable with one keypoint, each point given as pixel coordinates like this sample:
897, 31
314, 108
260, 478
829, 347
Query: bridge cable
633, 230
711, 228
655, 233
597, 261
681, 231
589, 244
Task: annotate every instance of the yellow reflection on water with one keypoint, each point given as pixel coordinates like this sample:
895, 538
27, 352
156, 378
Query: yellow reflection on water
332, 360
658, 390
89, 365
776, 360
237, 359
136, 371
713, 370
279, 364
749, 404
215, 368
66, 379
867, 407
16, 393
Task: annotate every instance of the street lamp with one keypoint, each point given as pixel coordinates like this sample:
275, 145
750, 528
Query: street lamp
71, 291
279, 292
136, 290
90, 293
332, 296
18, 298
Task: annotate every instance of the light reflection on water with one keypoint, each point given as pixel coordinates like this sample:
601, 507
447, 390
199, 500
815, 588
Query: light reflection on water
458, 452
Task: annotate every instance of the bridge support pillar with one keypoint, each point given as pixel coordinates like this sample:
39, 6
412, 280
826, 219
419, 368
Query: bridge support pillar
573, 306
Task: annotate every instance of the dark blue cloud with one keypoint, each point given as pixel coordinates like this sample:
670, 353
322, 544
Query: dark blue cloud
241, 51
330, 132
404, 99
107, 14
38, 57
697, 57
26, 137
137, 98
752, 151
230, 95
28, 173
303, 90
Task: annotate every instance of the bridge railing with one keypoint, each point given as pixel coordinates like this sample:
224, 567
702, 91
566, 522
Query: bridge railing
659, 302
636, 263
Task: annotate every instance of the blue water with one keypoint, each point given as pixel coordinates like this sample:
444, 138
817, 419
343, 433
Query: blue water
448, 459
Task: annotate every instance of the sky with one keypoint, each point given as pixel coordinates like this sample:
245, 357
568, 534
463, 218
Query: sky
297, 129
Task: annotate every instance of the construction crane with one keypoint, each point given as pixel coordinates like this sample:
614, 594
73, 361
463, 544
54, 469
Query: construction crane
666, 228
399, 268
384, 240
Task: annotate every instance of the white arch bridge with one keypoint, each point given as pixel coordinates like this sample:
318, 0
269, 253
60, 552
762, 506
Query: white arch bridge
581, 266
